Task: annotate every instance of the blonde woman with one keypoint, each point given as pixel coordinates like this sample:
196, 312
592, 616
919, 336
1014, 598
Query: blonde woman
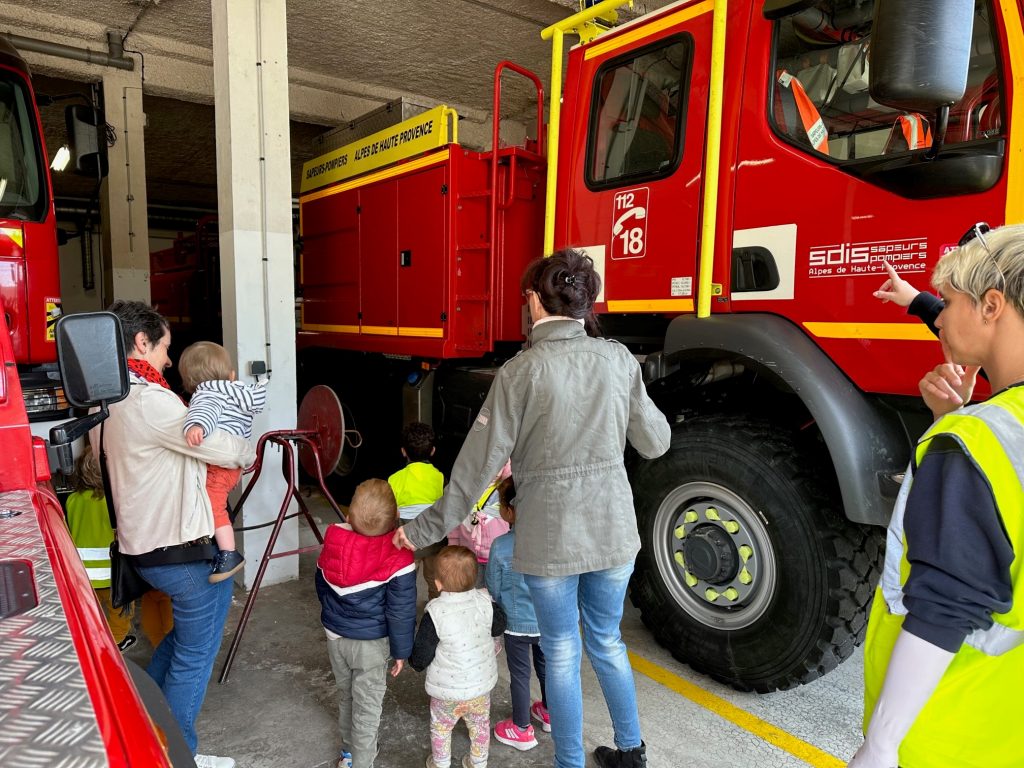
944, 656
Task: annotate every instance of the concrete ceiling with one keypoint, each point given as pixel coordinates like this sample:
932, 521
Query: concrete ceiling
345, 58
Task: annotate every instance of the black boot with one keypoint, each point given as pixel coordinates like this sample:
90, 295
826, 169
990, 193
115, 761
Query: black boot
615, 758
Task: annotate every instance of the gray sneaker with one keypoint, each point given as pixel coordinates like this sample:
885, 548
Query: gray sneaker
225, 565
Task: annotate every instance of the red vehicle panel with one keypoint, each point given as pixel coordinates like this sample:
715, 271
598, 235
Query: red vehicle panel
428, 283
645, 235
844, 227
29, 281
831, 228
422, 250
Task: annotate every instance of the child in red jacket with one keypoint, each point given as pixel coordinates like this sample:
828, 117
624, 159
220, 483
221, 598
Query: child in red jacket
367, 591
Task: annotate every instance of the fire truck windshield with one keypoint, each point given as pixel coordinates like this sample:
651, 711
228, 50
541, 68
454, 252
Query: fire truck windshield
22, 176
820, 98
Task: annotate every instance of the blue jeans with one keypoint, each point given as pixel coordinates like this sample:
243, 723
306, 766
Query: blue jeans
597, 598
183, 662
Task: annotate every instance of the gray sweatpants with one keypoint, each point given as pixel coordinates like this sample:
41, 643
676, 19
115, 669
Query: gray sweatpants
361, 674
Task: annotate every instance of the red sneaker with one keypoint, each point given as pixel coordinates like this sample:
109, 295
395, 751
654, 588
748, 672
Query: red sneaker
540, 713
509, 733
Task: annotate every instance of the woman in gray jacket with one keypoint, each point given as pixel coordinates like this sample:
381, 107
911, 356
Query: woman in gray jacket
563, 410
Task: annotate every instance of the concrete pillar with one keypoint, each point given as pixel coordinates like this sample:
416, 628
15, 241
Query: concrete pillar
123, 202
250, 67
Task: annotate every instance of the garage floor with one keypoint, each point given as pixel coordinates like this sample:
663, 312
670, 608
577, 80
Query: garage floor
278, 708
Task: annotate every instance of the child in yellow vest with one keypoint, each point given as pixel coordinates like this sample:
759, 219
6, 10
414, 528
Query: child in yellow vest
89, 524
418, 485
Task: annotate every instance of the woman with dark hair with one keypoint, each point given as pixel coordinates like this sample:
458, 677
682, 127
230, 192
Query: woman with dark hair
563, 410
164, 518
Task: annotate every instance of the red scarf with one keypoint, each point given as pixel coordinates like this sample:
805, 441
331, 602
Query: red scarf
144, 370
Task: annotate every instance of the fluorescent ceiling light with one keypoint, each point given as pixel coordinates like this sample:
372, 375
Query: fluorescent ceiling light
61, 159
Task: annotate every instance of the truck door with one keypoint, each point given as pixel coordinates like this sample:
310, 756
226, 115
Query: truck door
634, 193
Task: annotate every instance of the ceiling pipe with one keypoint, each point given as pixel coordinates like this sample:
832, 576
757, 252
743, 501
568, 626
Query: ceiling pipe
114, 57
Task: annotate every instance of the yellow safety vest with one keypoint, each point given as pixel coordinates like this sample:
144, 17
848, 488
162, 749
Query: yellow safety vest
89, 524
416, 488
973, 718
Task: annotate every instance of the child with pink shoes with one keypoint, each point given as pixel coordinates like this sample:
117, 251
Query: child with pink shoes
522, 635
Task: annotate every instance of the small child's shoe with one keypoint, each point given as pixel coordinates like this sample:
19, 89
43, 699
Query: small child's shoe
430, 762
225, 565
540, 713
127, 642
467, 762
344, 760
511, 734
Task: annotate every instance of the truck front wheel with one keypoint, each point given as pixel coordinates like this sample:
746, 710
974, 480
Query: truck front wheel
748, 570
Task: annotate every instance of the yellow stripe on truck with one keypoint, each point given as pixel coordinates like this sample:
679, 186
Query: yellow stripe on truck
877, 331
1015, 151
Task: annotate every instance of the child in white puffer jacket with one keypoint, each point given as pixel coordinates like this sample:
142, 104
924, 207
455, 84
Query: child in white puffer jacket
455, 644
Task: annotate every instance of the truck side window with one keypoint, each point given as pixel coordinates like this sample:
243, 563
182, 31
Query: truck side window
819, 91
636, 118
21, 173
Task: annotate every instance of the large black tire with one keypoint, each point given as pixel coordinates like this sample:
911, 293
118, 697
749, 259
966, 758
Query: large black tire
748, 570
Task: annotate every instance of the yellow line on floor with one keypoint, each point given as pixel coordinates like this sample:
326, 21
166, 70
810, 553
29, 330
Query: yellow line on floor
765, 731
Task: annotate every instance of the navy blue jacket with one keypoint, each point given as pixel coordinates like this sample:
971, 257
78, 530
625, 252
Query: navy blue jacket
367, 588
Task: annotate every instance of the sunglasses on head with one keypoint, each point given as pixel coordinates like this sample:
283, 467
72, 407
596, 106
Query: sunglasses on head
978, 231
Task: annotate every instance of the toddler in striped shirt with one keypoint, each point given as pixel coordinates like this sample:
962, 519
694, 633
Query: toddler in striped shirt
219, 401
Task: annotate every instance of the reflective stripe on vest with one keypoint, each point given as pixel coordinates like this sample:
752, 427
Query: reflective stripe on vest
412, 511
992, 436
97, 565
915, 130
89, 525
97, 576
94, 553
810, 118
488, 504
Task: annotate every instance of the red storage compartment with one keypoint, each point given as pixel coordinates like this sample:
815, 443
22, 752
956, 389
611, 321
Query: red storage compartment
399, 261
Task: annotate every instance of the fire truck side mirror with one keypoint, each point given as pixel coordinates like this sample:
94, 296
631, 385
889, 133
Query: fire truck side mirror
94, 369
87, 139
91, 356
920, 51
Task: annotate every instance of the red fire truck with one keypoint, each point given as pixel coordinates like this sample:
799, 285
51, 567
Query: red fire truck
66, 695
736, 177
29, 280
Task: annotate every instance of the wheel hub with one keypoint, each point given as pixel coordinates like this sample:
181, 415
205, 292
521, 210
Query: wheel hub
710, 555
717, 558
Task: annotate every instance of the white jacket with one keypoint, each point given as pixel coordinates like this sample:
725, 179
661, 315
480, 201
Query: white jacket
158, 481
463, 666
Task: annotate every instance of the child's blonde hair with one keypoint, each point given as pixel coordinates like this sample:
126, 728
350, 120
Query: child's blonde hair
204, 361
88, 476
373, 511
456, 569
